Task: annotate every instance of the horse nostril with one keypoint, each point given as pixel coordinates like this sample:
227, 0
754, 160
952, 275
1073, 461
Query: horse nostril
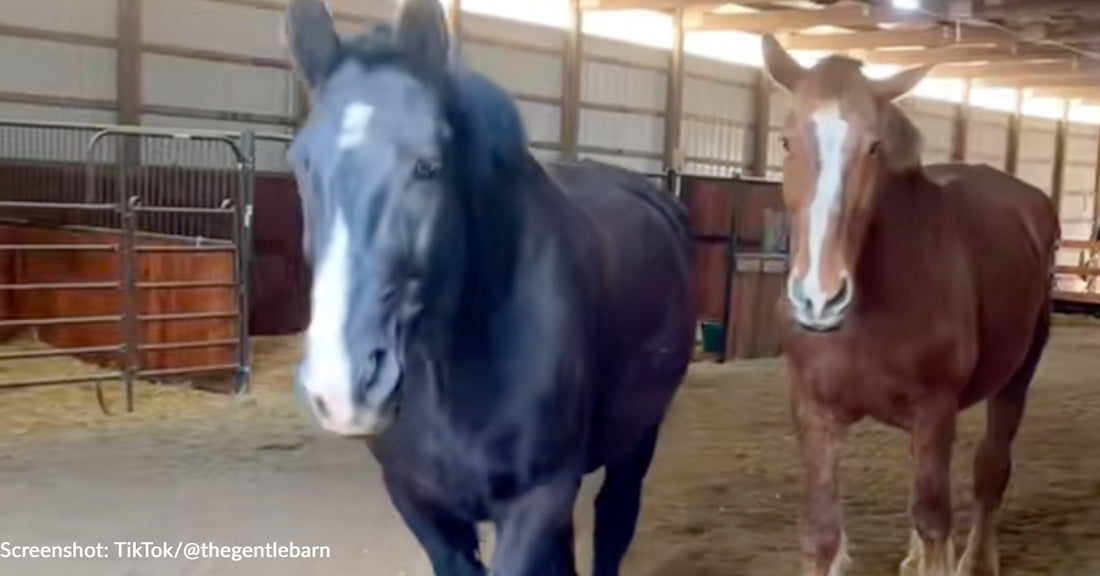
841, 299
320, 407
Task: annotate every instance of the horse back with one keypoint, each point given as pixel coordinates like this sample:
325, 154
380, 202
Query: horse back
1008, 231
640, 245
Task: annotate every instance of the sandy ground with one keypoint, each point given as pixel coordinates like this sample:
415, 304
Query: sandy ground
192, 467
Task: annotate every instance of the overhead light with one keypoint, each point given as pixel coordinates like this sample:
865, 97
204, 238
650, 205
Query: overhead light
907, 4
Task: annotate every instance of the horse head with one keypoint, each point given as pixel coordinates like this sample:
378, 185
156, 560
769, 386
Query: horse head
383, 228
843, 136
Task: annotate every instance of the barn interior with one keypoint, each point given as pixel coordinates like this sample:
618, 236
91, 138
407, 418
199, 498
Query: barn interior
154, 290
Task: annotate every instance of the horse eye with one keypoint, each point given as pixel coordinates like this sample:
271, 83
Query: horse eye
426, 169
874, 147
786, 144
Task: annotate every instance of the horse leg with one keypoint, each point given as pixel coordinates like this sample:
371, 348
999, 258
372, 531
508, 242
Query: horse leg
931, 552
451, 544
821, 531
618, 504
993, 462
535, 535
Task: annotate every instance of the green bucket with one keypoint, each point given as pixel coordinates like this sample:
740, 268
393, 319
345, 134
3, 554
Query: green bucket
713, 337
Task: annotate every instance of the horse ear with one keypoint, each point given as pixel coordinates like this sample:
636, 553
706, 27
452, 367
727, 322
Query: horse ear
422, 35
783, 69
314, 44
902, 83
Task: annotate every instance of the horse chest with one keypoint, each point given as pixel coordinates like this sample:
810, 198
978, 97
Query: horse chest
881, 375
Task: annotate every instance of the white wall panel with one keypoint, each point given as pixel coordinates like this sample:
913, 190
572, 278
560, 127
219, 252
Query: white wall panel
705, 169
55, 69
722, 142
214, 26
630, 162
622, 51
987, 137
173, 81
718, 101
544, 37
93, 17
936, 122
621, 131
34, 113
616, 85
270, 156
543, 121
517, 71
1036, 162
1079, 182
742, 75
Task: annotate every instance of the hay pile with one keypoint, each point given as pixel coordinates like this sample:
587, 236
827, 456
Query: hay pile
24, 412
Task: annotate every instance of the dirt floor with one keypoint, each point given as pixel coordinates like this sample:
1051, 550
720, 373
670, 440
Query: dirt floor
720, 501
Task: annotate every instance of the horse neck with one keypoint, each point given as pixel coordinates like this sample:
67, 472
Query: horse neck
895, 229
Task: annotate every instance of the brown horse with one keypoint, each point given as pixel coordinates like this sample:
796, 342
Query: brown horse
914, 293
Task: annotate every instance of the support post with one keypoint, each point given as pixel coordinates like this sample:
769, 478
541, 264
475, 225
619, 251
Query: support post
1057, 181
961, 126
1012, 141
128, 74
674, 103
454, 24
1096, 195
572, 65
762, 124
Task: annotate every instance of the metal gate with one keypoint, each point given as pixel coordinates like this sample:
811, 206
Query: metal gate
136, 250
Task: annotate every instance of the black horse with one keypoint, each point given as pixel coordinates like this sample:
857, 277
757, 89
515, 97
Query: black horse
496, 329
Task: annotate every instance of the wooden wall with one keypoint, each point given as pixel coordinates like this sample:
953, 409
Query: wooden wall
749, 213
89, 266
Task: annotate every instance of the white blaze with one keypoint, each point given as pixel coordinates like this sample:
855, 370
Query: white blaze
832, 132
327, 373
353, 129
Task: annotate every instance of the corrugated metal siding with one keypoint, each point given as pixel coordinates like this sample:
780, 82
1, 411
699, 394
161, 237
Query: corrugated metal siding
518, 71
936, 123
94, 17
1078, 193
622, 112
987, 137
717, 126
213, 26
1036, 161
219, 86
45, 68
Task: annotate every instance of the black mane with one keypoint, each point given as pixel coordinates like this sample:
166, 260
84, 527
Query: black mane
487, 158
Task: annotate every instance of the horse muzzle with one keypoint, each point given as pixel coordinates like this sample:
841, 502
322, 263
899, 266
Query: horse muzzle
362, 403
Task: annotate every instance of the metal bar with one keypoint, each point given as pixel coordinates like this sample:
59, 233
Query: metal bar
188, 345
16, 384
185, 316
1058, 172
243, 236
182, 210
182, 285
58, 352
170, 248
131, 335
60, 286
58, 247
674, 102
57, 206
70, 321
186, 371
